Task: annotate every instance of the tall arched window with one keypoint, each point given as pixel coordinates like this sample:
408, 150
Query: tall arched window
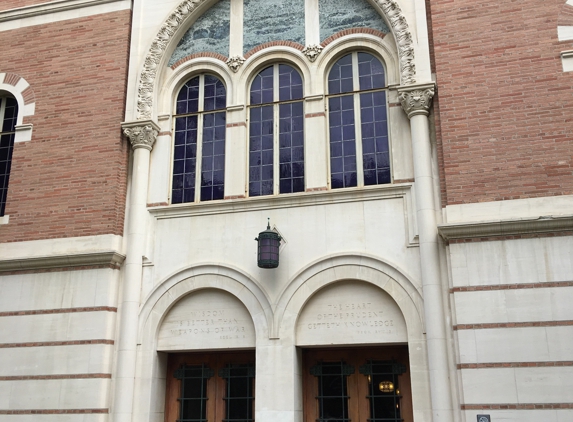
8, 117
276, 134
358, 122
199, 150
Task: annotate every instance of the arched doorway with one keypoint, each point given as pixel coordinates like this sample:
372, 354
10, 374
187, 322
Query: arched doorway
355, 359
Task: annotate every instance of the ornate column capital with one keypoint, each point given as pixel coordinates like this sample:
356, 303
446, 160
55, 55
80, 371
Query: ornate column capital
141, 133
416, 99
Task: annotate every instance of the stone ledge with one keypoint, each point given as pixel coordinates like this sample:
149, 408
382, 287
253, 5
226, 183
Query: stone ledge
50, 7
293, 200
500, 228
112, 258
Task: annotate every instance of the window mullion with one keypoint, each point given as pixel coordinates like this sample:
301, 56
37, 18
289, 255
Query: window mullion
199, 156
357, 122
276, 122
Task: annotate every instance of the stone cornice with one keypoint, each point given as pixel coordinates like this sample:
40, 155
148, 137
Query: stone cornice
141, 133
282, 201
146, 85
416, 99
48, 8
510, 227
111, 258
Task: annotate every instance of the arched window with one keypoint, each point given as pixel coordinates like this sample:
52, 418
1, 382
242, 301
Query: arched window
199, 147
8, 117
276, 134
358, 122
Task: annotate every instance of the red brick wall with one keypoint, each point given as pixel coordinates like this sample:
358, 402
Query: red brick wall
70, 180
505, 105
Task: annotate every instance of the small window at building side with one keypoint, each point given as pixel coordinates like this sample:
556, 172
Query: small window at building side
8, 117
276, 132
359, 147
199, 147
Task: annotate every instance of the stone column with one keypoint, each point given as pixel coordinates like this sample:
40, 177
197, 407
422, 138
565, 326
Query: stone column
142, 135
416, 102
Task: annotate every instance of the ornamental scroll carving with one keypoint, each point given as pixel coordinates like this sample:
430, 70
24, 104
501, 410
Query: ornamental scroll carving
159, 45
417, 101
312, 51
142, 136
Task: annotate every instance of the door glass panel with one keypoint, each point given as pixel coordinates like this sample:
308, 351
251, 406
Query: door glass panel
239, 392
383, 389
332, 390
193, 398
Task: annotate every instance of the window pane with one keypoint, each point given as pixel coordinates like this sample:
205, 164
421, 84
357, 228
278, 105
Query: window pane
370, 72
261, 150
184, 160
291, 152
262, 87
342, 142
375, 151
215, 94
340, 76
290, 83
188, 98
213, 157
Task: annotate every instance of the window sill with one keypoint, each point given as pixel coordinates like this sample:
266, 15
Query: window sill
4, 219
294, 200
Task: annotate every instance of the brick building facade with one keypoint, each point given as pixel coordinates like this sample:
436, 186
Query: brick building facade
414, 156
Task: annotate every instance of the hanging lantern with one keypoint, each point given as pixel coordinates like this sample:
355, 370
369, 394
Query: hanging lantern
269, 243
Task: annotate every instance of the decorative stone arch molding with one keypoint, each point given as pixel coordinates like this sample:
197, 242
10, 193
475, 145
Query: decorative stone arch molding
349, 267
24, 94
146, 85
207, 276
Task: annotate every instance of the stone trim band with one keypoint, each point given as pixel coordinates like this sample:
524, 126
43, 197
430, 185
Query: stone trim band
55, 377
59, 311
55, 343
62, 261
53, 411
513, 365
512, 325
549, 284
517, 406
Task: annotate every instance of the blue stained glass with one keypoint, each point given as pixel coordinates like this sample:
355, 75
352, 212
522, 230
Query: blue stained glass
290, 129
177, 181
285, 156
185, 170
267, 172
298, 170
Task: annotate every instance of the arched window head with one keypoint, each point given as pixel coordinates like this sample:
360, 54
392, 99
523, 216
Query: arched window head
199, 147
276, 132
358, 121
8, 117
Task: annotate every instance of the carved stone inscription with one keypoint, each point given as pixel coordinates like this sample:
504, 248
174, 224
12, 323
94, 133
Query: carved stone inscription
208, 319
351, 313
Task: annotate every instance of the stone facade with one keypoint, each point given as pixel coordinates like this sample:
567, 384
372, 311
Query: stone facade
457, 274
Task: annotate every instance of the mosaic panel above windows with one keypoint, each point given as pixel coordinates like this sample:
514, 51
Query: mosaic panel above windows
210, 33
336, 16
272, 20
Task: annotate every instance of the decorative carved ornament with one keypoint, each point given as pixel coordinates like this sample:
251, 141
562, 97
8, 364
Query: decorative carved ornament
145, 88
418, 100
235, 63
312, 51
141, 134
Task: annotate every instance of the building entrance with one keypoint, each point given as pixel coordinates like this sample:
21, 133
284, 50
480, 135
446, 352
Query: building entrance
357, 385
210, 387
